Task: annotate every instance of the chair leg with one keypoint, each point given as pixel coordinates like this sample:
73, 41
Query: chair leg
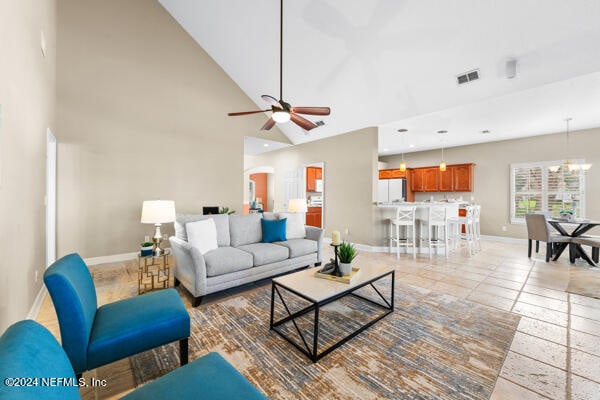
197, 301
595, 254
529, 245
318, 264
176, 282
183, 351
548, 251
537, 246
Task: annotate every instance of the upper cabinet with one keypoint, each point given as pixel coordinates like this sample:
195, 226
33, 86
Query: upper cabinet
456, 178
312, 174
391, 174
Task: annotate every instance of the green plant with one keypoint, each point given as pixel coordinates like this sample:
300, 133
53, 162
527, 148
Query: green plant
226, 210
146, 244
346, 252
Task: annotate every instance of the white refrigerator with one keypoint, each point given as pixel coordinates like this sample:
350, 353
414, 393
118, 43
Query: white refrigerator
391, 190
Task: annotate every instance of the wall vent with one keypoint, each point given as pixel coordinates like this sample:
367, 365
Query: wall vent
468, 77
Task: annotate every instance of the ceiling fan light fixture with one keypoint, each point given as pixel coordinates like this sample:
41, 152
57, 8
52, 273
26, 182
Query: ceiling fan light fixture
281, 116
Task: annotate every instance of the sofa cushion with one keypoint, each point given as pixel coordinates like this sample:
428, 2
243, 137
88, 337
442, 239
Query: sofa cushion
245, 229
269, 215
266, 253
221, 222
273, 230
299, 247
225, 260
202, 235
295, 225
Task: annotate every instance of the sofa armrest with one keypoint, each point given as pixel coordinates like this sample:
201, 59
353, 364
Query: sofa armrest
314, 233
190, 268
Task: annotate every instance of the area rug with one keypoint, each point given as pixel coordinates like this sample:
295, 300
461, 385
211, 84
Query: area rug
433, 346
584, 281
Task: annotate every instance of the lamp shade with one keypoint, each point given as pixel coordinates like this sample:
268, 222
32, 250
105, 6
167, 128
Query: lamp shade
297, 205
158, 211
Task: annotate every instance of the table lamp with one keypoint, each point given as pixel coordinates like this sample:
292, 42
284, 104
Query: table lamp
297, 205
157, 212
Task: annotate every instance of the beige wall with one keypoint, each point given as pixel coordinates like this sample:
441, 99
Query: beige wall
142, 115
492, 172
350, 169
27, 102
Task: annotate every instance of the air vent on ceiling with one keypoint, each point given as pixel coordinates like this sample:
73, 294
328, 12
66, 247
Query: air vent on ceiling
319, 123
468, 77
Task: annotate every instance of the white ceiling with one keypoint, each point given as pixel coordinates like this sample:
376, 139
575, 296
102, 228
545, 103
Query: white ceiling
392, 63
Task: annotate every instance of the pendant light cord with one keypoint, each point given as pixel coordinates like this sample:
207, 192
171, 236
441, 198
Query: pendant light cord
281, 51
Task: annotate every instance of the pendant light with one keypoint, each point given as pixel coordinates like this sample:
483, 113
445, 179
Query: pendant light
442, 163
568, 165
402, 163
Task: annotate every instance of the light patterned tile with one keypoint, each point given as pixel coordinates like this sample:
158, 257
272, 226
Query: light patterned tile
491, 300
457, 291
585, 342
585, 301
585, 325
585, 365
585, 311
498, 291
503, 283
541, 313
553, 294
540, 349
550, 284
505, 390
544, 330
584, 389
535, 375
546, 302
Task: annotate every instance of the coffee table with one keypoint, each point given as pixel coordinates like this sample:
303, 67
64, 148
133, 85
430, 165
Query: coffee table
320, 292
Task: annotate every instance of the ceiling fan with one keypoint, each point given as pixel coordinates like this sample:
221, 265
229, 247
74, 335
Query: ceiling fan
282, 110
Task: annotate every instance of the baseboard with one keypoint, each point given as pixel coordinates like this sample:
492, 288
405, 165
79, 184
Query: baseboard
110, 259
37, 303
504, 239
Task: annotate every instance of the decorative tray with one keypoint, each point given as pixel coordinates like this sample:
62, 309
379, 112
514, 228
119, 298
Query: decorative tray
343, 279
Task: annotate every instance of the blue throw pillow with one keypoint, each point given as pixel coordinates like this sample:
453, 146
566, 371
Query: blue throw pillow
273, 230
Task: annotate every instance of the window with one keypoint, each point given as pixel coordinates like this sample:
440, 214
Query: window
546, 186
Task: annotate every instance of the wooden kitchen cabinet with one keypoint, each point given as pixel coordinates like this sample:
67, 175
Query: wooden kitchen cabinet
313, 216
463, 177
430, 179
456, 178
391, 174
313, 173
446, 182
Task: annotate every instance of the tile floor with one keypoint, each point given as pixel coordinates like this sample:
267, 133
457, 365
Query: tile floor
555, 353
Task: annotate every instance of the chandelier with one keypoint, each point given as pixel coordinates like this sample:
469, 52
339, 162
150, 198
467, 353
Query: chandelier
569, 165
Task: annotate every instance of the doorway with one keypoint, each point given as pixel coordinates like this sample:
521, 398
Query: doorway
315, 194
50, 197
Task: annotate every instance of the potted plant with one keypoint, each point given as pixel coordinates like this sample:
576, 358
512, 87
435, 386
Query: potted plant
146, 249
226, 210
346, 253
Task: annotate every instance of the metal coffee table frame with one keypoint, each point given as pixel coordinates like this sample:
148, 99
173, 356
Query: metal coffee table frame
313, 353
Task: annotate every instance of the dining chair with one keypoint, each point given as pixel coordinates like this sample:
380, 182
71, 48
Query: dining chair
537, 229
405, 217
93, 336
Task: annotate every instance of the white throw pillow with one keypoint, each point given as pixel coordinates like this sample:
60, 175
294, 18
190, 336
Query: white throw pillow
294, 227
202, 235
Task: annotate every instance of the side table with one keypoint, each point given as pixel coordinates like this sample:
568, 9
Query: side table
154, 272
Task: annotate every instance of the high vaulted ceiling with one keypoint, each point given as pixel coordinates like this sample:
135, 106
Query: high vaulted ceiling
393, 64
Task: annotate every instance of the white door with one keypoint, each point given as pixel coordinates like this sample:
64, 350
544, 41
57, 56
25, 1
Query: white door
50, 197
382, 191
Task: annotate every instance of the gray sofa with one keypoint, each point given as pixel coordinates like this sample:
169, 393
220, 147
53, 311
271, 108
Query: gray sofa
241, 257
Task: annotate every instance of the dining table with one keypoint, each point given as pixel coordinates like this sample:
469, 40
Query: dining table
575, 249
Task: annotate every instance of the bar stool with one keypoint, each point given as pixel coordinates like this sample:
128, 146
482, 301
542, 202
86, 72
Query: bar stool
437, 221
405, 217
467, 221
477, 227
453, 225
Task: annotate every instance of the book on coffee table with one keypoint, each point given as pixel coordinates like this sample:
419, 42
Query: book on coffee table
343, 279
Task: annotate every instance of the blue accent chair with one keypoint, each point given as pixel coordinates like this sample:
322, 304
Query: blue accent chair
93, 336
28, 351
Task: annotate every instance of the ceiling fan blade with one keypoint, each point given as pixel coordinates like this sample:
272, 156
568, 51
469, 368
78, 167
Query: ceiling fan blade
302, 122
271, 100
235, 114
268, 125
312, 110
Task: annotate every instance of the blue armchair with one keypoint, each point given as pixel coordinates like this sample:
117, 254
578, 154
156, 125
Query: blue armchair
34, 366
93, 336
